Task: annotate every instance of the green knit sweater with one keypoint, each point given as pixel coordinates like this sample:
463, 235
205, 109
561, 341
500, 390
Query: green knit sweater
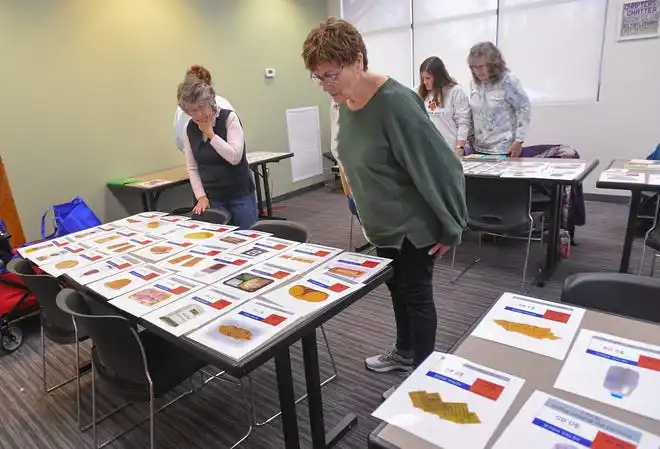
404, 178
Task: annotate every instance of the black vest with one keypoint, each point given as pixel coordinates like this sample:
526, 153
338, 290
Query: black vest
221, 180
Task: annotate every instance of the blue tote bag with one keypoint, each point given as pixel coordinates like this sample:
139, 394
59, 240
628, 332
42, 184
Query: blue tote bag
68, 218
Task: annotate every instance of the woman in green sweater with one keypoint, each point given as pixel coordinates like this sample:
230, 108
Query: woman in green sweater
407, 183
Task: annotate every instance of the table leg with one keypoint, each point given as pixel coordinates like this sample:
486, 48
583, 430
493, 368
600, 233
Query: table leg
269, 200
287, 399
257, 186
145, 201
630, 231
552, 248
315, 401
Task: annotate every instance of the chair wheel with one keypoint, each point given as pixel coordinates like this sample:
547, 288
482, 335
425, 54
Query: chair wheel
11, 338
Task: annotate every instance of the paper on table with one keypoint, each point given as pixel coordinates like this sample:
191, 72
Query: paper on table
152, 183
238, 238
48, 256
622, 176
549, 422
264, 248
311, 292
130, 244
256, 280
162, 250
153, 226
243, 330
74, 261
531, 324
190, 258
86, 234
126, 281
99, 270
654, 180
155, 295
355, 266
451, 402
193, 310
304, 131
105, 239
32, 251
614, 370
210, 270
304, 257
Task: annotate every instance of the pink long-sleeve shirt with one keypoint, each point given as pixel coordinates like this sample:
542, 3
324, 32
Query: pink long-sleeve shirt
231, 150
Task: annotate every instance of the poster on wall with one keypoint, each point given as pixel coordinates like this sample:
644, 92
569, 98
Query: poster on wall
639, 19
304, 131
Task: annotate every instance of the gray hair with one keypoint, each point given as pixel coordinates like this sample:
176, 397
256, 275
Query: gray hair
193, 91
494, 60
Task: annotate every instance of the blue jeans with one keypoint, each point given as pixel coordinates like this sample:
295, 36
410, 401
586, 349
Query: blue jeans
243, 210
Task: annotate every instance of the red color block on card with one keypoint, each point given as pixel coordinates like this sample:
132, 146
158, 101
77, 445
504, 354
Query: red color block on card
149, 276
338, 287
239, 262
556, 316
220, 304
180, 290
274, 320
486, 389
370, 264
605, 441
649, 363
321, 253
123, 266
280, 274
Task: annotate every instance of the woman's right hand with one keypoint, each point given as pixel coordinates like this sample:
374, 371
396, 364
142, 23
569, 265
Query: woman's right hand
201, 206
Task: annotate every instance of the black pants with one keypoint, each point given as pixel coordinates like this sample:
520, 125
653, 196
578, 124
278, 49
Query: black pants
411, 288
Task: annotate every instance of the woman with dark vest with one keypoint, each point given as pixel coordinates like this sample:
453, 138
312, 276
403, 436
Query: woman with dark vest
214, 146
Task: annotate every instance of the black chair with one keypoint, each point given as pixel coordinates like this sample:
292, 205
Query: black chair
56, 325
619, 293
138, 367
296, 232
501, 207
212, 215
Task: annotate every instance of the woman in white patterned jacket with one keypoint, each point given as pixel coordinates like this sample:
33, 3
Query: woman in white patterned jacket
501, 111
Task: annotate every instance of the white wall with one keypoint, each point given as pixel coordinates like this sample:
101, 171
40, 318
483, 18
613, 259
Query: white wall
625, 123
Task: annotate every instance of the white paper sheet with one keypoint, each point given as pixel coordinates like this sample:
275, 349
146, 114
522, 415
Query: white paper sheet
132, 220
235, 239
531, 324
255, 280
210, 270
304, 257
304, 131
74, 261
38, 249
355, 266
162, 250
487, 393
243, 330
614, 370
111, 238
654, 180
128, 245
86, 234
155, 295
264, 248
313, 291
126, 281
549, 422
190, 258
193, 311
196, 232
99, 270
157, 226
622, 176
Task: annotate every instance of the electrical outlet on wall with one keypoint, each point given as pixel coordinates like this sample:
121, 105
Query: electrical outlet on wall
269, 73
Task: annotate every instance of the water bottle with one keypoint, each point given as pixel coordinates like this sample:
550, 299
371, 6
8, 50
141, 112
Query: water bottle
564, 244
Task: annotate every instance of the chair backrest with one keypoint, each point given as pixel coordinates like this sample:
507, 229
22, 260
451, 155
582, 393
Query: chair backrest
622, 294
214, 215
57, 325
117, 346
289, 230
498, 204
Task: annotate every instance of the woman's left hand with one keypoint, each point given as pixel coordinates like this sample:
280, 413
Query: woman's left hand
438, 250
515, 149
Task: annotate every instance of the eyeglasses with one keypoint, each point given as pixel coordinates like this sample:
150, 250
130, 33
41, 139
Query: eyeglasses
328, 78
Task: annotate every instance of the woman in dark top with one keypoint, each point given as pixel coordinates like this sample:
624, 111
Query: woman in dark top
214, 146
